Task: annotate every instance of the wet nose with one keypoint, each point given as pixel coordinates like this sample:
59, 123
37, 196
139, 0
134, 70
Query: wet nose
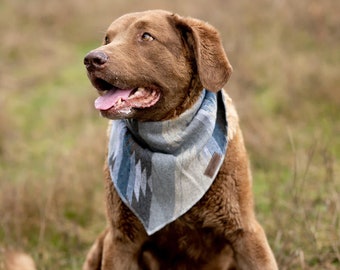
95, 59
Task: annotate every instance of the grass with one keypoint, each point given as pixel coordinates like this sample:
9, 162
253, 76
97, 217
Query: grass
52, 142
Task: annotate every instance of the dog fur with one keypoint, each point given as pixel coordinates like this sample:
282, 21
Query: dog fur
177, 57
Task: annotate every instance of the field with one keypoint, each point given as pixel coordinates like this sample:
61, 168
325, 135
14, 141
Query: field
286, 85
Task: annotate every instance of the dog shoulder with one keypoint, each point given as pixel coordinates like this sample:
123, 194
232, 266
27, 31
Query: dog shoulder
231, 115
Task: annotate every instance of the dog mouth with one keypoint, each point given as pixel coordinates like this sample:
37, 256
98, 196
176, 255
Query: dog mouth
123, 100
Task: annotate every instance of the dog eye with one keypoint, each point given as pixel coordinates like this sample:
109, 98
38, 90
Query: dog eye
147, 37
106, 40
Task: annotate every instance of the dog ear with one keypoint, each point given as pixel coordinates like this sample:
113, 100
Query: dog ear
212, 63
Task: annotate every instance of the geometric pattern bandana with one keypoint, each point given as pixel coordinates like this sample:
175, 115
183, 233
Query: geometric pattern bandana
162, 169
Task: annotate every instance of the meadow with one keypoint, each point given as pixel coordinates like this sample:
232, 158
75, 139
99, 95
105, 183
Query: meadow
286, 81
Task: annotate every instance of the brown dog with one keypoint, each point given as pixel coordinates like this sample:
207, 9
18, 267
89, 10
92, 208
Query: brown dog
152, 68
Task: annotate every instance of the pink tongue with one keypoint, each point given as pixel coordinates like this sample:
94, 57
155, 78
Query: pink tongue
108, 100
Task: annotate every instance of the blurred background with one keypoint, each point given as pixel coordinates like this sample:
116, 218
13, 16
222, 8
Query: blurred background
286, 80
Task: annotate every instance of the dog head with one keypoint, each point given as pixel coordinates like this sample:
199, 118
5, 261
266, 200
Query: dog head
153, 65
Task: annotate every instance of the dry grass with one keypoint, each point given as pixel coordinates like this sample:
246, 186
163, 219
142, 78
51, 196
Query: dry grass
52, 142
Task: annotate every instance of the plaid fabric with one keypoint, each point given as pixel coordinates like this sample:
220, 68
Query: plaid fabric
161, 169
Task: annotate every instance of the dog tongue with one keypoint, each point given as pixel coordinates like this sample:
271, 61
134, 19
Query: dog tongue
108, 100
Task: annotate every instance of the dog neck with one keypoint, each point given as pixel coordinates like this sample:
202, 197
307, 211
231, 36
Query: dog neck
168, 136
193, 94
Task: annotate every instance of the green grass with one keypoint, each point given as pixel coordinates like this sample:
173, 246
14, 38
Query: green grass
52, 141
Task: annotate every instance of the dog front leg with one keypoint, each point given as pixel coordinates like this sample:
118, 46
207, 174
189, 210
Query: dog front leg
119, 253
94, 256
252, 251
111, 253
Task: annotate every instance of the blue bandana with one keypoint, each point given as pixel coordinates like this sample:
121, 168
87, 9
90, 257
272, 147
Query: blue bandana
162, 169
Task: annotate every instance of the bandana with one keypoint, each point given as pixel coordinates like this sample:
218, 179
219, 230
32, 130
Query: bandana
162, 169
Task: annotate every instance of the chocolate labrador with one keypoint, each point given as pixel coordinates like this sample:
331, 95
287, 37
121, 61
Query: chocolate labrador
178, 183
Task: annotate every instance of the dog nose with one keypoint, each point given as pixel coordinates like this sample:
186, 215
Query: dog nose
95, 59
